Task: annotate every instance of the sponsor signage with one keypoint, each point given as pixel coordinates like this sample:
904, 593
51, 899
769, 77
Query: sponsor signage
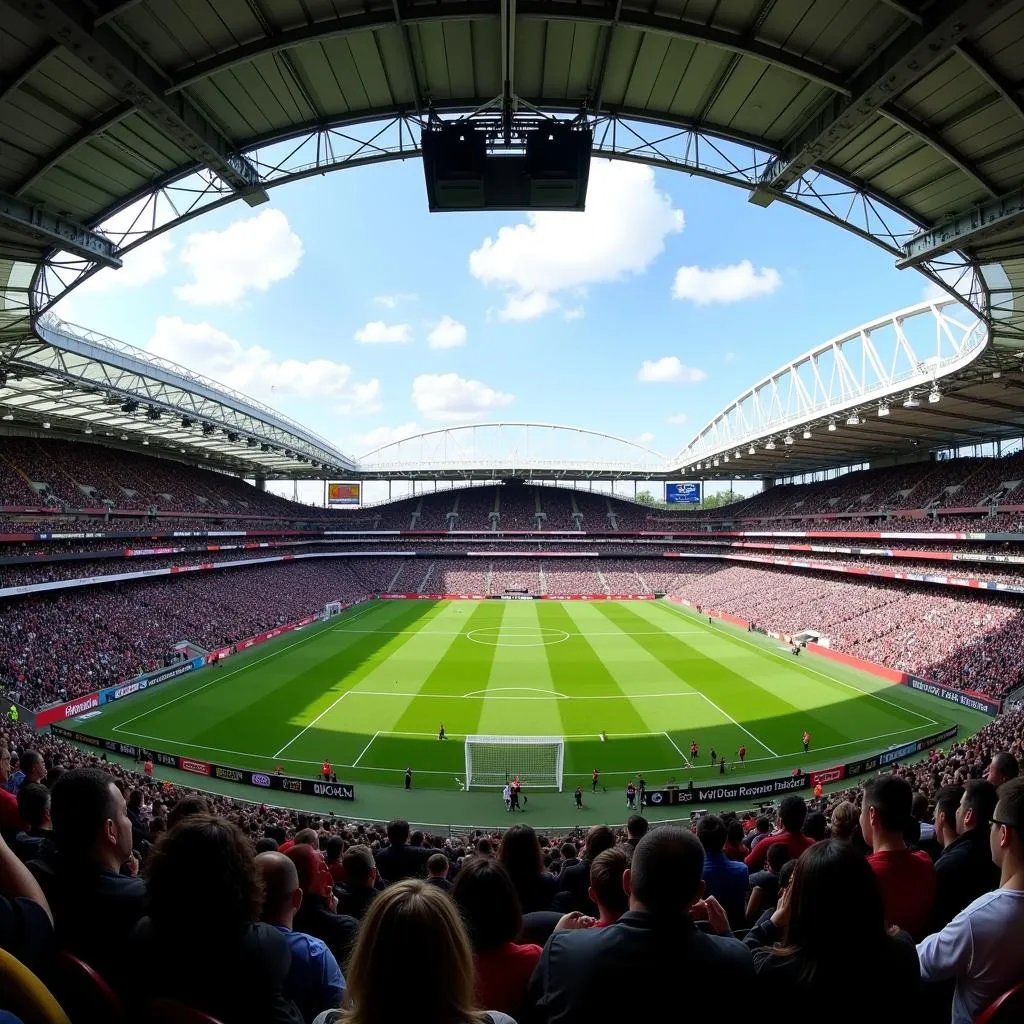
186, 764
259, 779
896, 753
826, 776
168, 760
686, 492
974, 701
230, 774
72, 709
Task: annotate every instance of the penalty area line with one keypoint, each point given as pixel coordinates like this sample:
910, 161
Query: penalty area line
305, 728
678, 751
355, 763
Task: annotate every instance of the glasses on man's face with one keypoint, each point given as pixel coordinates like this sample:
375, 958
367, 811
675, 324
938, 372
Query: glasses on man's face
1004, 824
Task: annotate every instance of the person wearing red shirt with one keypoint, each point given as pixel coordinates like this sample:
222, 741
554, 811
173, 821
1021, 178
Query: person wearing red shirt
9, 817
327, 770
906, 877
607, 891
792, 813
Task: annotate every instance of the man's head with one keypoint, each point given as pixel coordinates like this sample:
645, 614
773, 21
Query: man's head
607, 883
792, 813
1002, 768
5, 763
359, 866
778, 854
282, 896
398, 832
636, 827
484, 847
977, 806
711, 832
186, 807
886, 810
34, 806
1007, 829
33, 765
90, 820
763, 825
816, 826
947, 811
568, 851
335, 848
599, 839
306, 837
437, 865
666, 872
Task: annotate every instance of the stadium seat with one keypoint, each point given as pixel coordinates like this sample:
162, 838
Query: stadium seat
83, 992
26, 996
1007, 1009
169, 1011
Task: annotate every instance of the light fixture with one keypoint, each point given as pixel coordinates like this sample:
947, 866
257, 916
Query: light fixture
145, 440
737, 455
911, 402
883, 409
715, 463
788, 439
124, 437
88, 430
8, 416
770, 446
853, 420
934, 395
752, 450
46, 424
996, 374
725, 458
831, 424
807, 435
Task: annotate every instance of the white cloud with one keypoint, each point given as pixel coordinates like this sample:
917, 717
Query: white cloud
249, 254
679, 419
725, 284
451, 398
576, 313
669, 369
380, 436
730, 357
255, 372
447, 333
622, 231
395, 300
379, 333
646, 438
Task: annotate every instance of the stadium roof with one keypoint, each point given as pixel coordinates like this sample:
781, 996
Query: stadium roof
901, 121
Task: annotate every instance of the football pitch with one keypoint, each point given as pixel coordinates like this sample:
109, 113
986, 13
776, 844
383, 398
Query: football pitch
369, 689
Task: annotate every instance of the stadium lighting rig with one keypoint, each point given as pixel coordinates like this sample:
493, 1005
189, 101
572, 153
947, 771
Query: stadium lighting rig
911, 402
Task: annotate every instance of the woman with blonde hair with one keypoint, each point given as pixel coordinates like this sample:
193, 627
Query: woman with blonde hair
845, 821
412, 961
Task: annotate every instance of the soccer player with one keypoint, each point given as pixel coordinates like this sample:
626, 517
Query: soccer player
742, 753
408, 778
440, 732
694, 750
807, 741
714, 756
594, 778
327, 770
579, 798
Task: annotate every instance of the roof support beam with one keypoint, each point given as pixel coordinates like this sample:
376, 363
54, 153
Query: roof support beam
508, 66
52, 229
11, 82
597, 89
1013, 95
105, 54
898, 66
964, 230
410, 60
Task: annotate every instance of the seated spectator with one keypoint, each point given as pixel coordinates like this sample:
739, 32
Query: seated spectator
415, 927
607, 890
10, 821
764, 885
398, 860
965, 870
636, 829
335, 848
140, 830
318, 914
831, 917
762, 830
35, 840
792, 813
816, 826
574, 882
727, 880
520, 855
735, 848
491, 912
1002, 768
314, 982
356, 893
981, 946
591, 974
570, 857
189, 805
204, 930
437, 871
906, 877
31, 768
91, 886
26, 925
845, 822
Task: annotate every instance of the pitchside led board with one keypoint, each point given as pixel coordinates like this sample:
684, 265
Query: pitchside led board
339, 494
685, 493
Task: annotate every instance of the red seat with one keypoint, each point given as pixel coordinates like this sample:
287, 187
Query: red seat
83, 992
1007, 1009
168, 1011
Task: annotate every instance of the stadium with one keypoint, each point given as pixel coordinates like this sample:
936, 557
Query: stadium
608, 686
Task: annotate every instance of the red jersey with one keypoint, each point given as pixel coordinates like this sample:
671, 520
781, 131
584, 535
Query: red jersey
795, 842
502, 976
907, 880
9, 816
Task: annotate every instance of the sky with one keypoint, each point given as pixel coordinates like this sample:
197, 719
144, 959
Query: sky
345, 304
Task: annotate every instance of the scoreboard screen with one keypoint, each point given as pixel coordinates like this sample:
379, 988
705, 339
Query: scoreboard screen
343, 494
683, 493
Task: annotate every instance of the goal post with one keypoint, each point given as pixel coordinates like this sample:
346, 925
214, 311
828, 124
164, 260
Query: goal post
332, 608
491, 761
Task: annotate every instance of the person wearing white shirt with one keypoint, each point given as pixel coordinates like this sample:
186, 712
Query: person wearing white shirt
506, 795
981, 947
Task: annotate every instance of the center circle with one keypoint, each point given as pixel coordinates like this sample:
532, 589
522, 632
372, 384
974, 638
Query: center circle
517, 636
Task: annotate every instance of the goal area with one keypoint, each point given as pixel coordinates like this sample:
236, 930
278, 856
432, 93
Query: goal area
491, 761
331, 608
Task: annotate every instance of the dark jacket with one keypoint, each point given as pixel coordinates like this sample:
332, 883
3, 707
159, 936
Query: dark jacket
316, 918
963, 872
537, 893
592, 975
397, 862
354, 901
573, 884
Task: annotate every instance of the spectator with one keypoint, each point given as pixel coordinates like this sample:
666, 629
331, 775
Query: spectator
831, 917
591, 975
398, 860
314, 981
1002, 768
413, 926
816, 826
317, 916
10, 821
189, 805
764, 885
356, 893
31, 768
607, 888
735, 848
965, 870
335, 848
35, 841
570, 856
845, 821
26, 925
520, 855
947, 807
204, 931
437, 872
727, 880
92, 887
636, 828
906, 877
493, 917
762, 830
792, 813
574, 882
981, 946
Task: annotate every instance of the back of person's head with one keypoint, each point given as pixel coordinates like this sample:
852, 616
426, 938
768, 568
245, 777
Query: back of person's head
636, 827
489, 904
711, 833
919, 806
1007, 838
835, 907
889, 798
335, 848
734, 832
34, 804
307, 837
665, 876
816, 826
792, 813
437, 865
185, 808
281, 893
262, 845
203, 879
606, 880
763, 824
1003, 767
977, 806
88, 816
844, 821
416, 926
484, 847
947, 804
520, 853
398, 832
599, 839
568, 851
314, 878
778, 854
786, 874
359, 865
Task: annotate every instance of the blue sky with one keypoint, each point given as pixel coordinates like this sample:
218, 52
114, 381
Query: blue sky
345, 304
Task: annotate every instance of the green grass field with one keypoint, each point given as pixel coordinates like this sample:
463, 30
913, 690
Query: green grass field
368, 690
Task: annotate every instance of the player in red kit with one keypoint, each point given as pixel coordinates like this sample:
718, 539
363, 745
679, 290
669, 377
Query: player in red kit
807, 741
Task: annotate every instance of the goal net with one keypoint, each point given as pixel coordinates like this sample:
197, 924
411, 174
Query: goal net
332, 608
495, 760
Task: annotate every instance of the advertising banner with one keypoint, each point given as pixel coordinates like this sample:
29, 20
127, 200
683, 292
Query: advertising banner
72, 709
974, 701
685, 492
342, 494
827, 775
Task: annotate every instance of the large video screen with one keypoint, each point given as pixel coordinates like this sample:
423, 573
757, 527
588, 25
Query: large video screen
686, 492
344, 494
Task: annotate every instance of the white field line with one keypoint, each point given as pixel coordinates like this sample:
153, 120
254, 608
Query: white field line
547, 695
330, 707
818, 672
463, 632
725, 714
678, 751
218, 677
365, 749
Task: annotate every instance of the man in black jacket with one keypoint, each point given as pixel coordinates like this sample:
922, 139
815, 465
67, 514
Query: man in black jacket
574, 881
592, 974
398, 860
964, 870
